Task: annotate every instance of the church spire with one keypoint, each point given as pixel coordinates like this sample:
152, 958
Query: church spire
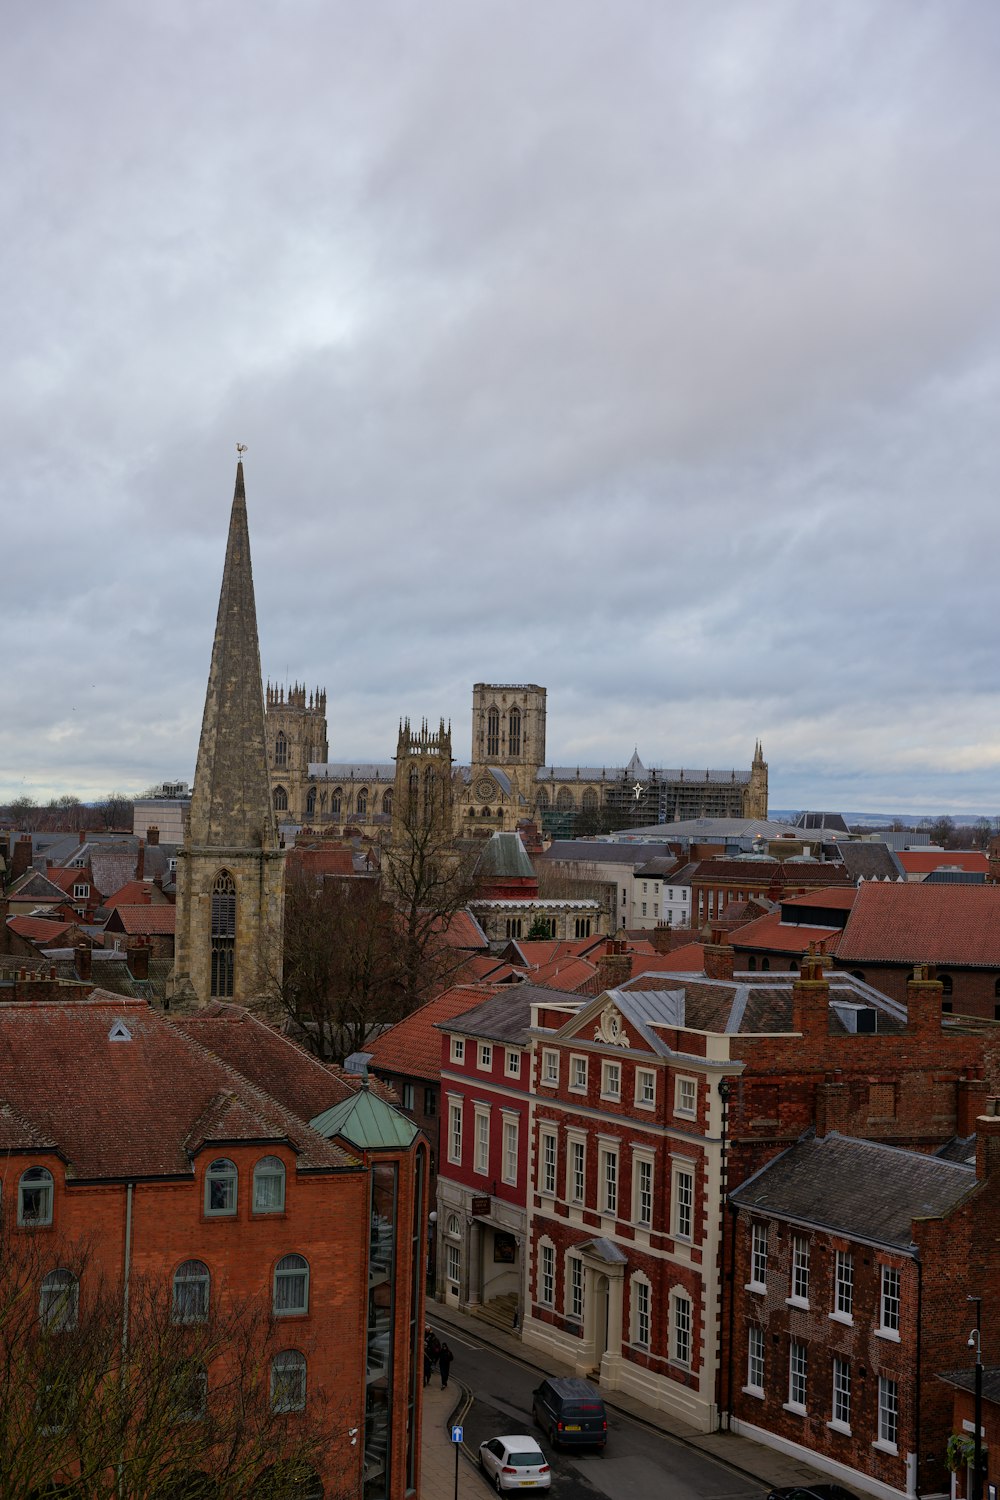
231, 802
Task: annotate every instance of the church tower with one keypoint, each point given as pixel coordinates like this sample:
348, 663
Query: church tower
423, 790
756, 794
230, 869
296, 740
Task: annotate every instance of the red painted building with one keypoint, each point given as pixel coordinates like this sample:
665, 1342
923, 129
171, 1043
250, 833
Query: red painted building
212, 1158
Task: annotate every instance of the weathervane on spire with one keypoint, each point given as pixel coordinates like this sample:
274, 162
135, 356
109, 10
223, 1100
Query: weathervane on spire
241, 448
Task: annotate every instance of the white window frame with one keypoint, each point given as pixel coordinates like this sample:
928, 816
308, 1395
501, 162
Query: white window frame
642, 1190
888, 1415
550, 1068
840, 1410
759, 1233
484, 1060
455, 1131
890, 1294
799, 1291
222, 1172
267, 1172
290, 1280
574, 1288
843, 1287
798, 1377
686, 1096
642, 1312
578, 1066
644, 1076
682, 1202
546, 1273
755, 1361
511, 1146
457, 1053
453, 1263
512, 1062
681, 1329
576, 1170
548, 1162
481, 1157
611, 1080
609, 1180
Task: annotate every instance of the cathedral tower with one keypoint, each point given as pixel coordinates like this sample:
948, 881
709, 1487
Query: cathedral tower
756, 793
423, 791
296, 739
230, 869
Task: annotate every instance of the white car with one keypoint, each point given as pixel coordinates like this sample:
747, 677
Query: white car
515, 1463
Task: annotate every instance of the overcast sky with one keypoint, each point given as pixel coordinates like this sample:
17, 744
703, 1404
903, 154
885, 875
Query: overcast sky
647, 350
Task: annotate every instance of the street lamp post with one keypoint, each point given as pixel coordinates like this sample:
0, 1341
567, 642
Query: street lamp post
975, 1342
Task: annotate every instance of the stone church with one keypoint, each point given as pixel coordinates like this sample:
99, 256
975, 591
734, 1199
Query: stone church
508, 779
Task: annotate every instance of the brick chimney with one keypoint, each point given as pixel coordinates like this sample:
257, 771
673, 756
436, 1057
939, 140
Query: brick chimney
923, 1001
993, 863
152, 835
660, 937
811, 995
83, 961
138, 960
719, 960
140, 862
988, 1139
21, 857
614, 965
971, 1099
83, 835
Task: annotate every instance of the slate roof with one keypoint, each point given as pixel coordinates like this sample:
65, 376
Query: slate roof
868, 861
413, 1046
966, 1381
588, 851
342, 771
504, 1017
34, 886
113, 868
945, 925
135, 1108
858, 1188
762, 1002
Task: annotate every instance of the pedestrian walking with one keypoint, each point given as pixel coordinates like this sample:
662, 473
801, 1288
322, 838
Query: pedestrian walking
432, 1346
427, 1368
444, 1364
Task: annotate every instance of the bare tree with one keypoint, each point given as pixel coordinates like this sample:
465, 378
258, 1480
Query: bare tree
115, 810
21, 811
135, 1398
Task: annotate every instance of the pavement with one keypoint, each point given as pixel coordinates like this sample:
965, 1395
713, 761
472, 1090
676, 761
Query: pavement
445, 1408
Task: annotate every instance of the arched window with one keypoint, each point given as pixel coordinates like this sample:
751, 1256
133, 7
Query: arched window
793, 967
221, 1182
493, 732
387, 802
514, 732
858, 974
269, 1186
59, 1301
564, 800
291, 1285
453, 1225
336, 802
223, 935
765, 963
751, 962
34, 1196
413, 784
288, 1381
192, 1284
363, 803
280, 799
281, 749
543, 801
590, 800
946, 984
311, 802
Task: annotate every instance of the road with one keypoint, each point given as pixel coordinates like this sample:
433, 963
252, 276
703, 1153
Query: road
638, 1461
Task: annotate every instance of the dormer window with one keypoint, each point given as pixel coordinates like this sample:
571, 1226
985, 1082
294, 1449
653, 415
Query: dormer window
34, 1197
80, 891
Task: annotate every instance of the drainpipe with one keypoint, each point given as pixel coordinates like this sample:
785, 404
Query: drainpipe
126, 1289
725, 1089
919, 1370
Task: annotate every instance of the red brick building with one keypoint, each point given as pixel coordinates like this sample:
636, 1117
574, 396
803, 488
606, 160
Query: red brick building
852, 1262
213, 1158
715, 883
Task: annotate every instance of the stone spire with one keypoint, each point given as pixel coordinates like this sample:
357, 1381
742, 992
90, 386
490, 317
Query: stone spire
231, 802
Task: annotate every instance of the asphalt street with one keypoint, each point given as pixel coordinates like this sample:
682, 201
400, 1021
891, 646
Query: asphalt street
638, 1462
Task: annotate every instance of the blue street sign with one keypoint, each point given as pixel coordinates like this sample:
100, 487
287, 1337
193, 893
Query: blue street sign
456, 1434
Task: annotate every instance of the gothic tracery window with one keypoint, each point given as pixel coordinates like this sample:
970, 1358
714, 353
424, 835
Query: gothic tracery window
281, 749
363, 803
493, 732
223, 935
311, 802
280, 799
514, 732
387, 802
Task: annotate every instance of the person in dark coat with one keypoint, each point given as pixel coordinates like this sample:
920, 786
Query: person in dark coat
427, 1368
432, 1347
444, 1364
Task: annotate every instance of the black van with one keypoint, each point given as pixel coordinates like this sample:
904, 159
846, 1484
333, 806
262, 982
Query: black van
571, 1413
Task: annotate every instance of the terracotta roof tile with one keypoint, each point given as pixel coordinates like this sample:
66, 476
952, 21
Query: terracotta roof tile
143, 920
771, 934
923, 861
918, 923
39, 929
413, 1046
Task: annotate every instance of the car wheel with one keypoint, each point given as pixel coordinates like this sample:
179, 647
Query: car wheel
482, 1466
499, 1485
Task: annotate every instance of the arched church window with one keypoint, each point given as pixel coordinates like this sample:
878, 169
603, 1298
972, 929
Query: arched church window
362, 805
280, 799
413, 782
514, 732
223, 935
493, 732
336, 802
387, 802
564, 799
590, 800
543, 801
311, 802
281, 749
430, 791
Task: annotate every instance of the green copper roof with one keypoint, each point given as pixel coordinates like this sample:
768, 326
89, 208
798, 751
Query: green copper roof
366, 1121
